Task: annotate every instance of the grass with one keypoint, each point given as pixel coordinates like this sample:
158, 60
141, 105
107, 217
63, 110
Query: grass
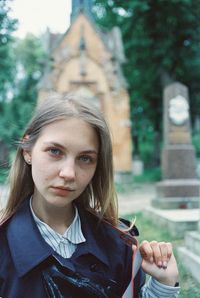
149, 175
189, 287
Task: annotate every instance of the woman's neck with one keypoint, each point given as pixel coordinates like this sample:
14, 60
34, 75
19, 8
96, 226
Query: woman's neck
59, 219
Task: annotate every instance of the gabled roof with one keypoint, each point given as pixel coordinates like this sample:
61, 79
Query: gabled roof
84, 6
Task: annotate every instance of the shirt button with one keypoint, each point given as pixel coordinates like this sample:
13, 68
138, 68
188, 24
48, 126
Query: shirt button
108, 288
94, 267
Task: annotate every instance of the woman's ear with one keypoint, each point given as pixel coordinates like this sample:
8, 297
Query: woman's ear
27, 156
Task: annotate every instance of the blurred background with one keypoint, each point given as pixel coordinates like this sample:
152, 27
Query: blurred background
160, 46
121, 56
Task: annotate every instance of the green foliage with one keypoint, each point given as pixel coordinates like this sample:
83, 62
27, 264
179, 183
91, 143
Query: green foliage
7, 26
29, 62
149, 175
30, 56
149, 145
162, 45
196, 143
3, 175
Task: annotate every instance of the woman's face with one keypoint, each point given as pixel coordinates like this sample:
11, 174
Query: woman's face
63, 161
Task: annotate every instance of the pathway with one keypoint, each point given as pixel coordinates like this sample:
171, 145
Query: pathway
136, 200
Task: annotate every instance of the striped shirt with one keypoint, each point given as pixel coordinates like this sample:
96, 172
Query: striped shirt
154, 289
65, 245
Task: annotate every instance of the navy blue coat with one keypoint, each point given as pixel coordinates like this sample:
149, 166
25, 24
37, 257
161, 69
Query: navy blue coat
103, 258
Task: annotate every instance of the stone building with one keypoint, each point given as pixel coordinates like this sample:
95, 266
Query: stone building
87, 61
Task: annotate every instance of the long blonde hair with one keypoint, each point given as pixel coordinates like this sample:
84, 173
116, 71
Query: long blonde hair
100, 194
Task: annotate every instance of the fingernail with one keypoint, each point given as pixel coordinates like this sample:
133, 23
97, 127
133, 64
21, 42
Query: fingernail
164, 265
160, 264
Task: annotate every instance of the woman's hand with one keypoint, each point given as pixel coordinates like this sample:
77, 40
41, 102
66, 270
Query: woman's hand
159, 261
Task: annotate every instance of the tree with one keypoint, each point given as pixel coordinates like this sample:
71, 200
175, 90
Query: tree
162, 43
21, 62
7, 26
29, 62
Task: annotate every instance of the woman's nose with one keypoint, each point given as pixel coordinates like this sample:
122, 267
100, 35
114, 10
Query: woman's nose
67, 170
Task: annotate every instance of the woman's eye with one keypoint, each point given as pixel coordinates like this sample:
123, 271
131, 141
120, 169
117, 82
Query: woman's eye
86, 159
55, 152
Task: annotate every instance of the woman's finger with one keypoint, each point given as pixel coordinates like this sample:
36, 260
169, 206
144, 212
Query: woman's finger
157, 255
158, 252
169, 250
146, 251
163, 246
166, 253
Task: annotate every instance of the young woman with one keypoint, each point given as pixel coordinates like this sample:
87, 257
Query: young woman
60, 234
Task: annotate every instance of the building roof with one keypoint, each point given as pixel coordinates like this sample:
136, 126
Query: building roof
84, 6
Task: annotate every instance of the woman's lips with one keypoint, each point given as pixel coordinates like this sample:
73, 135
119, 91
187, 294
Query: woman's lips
62, 191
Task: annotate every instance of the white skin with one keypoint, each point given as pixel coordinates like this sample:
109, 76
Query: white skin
63, 163
159, 262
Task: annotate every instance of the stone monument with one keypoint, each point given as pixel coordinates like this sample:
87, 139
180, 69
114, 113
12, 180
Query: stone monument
179, 187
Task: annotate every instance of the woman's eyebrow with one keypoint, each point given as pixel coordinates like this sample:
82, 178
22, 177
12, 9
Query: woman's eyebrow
54, 144
89, 151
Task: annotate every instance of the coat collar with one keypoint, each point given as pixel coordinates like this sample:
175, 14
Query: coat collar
28, 248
